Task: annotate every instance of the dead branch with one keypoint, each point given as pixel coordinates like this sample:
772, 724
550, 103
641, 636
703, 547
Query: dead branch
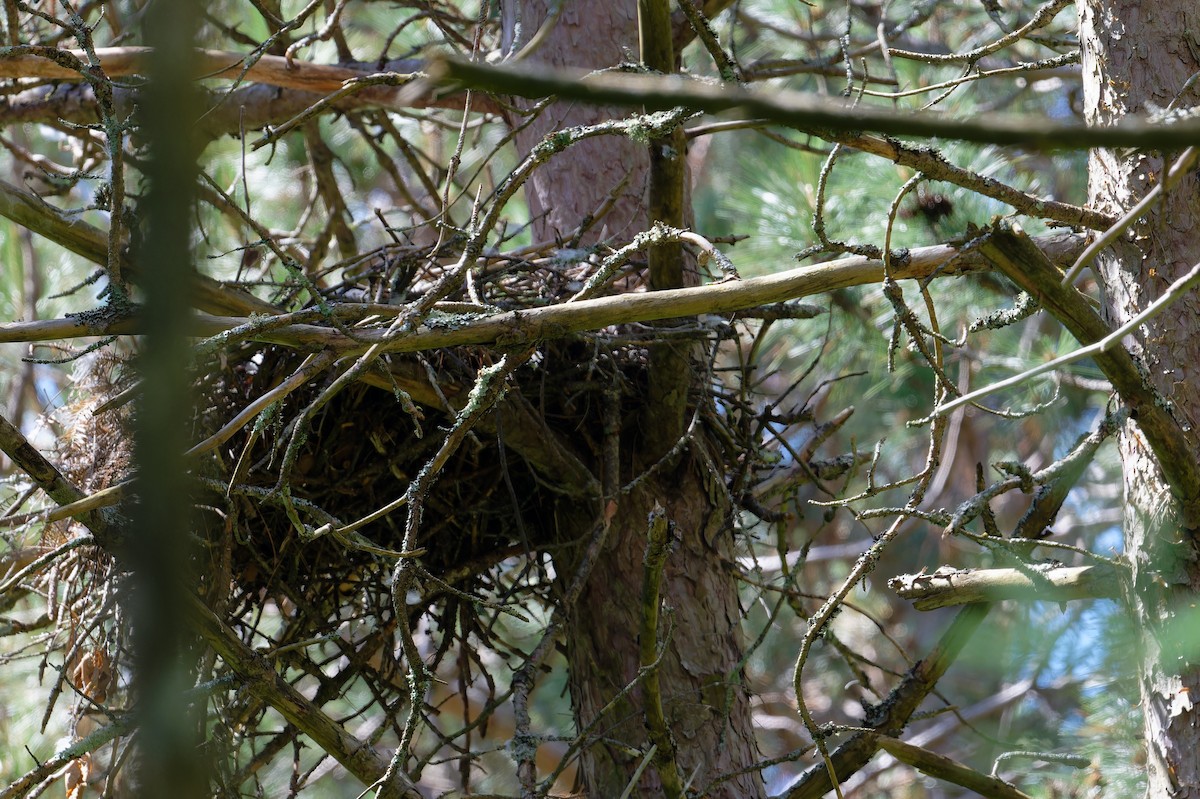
807, 111
123, 62
952, 771
948, 586
892, 714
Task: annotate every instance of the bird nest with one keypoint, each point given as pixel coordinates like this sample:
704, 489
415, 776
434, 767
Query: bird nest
284, 557
358, 456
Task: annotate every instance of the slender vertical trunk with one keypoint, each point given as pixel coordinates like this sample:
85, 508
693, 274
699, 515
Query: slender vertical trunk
1137, 58
705, 709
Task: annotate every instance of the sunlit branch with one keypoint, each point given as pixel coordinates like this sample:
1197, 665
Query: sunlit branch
81, 238
563, 319
123, 62
947, 586
1040, 19
1173, 293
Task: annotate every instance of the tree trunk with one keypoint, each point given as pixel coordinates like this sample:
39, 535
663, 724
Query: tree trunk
589, 34
1137, 57
699, 673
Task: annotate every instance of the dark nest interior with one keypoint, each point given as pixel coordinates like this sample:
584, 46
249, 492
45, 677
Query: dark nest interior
360, 453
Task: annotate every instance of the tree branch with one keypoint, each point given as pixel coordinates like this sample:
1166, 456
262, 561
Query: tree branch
104, 526
948, 586
1019, 258
930, 161
121, 62
803, 110
264, 682
944, 768
563, 319
77, 236
670, 371
892, 714
657, 548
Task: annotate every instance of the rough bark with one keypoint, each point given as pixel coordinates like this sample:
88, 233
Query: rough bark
706, 711
591, 34
1137, 58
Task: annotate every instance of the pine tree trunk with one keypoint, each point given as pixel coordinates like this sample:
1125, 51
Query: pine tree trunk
707, 712
1137, 57
705, 709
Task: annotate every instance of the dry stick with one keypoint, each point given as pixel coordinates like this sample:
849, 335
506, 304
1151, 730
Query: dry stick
17, 62
353, 86
805, 110
312, 366
1040, 19
862, 567
1053, 481
104, 527
114, 136
42, 560
100, 499
1075, 761
1022, 68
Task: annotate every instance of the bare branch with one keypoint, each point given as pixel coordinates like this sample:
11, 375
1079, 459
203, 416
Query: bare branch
1018, 258
77, 236
264, 682
122, 62
807, 111
948, 586
565, 318
944, 768
892, 714
48, 478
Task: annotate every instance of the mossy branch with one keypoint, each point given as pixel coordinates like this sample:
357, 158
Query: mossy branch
657, 548
566, 318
